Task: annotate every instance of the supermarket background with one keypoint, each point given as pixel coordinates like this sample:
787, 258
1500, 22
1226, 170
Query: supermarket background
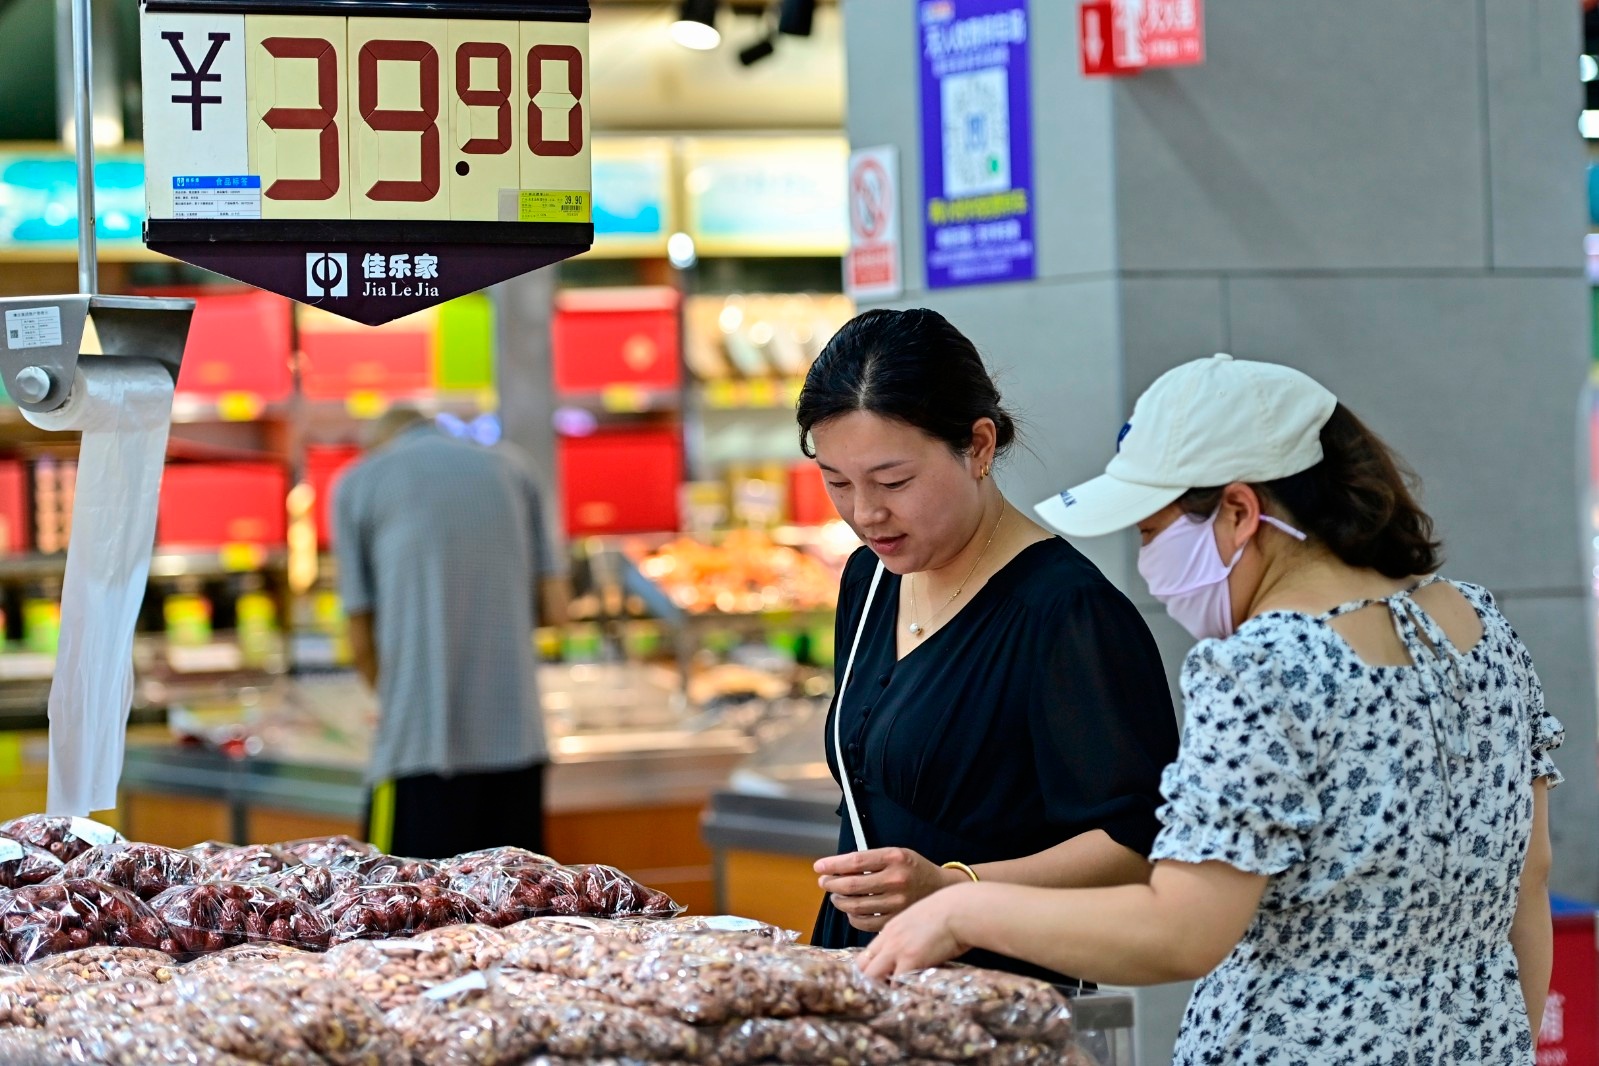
1381, 194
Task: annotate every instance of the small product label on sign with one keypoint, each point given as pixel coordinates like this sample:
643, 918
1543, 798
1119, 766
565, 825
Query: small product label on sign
94, 833
538, 205
227, 196
33, 327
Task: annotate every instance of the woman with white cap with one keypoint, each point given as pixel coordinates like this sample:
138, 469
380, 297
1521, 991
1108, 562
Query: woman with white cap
1355, 847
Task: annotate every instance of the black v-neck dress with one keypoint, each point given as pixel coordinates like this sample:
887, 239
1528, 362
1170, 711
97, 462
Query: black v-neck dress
1039, 712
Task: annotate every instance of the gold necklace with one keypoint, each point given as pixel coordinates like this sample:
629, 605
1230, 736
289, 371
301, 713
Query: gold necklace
916, 628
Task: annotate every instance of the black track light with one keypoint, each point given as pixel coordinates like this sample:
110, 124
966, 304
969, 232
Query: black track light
757, 51
794, 17
696, 25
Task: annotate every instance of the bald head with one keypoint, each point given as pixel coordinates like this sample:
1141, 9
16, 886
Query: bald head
390, 424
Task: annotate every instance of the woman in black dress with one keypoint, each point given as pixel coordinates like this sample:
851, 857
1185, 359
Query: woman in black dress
1006, 716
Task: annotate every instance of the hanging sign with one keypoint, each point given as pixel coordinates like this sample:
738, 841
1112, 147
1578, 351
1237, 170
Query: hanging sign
1120, 37
372, 162
872, 267
977, 142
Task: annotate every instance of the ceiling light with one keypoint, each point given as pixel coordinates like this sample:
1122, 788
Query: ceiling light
696, 25
794, 17
1590, 68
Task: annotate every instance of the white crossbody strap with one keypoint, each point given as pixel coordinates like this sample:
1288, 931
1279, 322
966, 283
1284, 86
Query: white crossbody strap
838, 713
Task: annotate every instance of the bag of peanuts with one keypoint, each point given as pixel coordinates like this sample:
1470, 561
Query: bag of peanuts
47, 919
250, 862
88, 966
1009, 1007
26, 864
341, 852
146, 870
223, 914
648, 929
65, 838
377, 911
801, 1040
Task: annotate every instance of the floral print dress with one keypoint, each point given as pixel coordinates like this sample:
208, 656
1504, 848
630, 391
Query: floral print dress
1390, 806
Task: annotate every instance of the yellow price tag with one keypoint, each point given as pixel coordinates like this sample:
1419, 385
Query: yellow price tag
365, 405
763, 393
240, 406
560, 205
723, 395
624, 399
241, 558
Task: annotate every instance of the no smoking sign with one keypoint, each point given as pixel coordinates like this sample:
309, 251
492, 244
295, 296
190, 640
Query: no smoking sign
872, 269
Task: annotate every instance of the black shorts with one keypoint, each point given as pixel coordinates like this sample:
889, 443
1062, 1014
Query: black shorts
431, 816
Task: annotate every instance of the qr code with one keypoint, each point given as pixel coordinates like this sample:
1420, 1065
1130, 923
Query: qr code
15, 334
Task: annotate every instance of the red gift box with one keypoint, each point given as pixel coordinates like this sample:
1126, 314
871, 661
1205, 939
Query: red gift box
1570, 1033
808, 501
323, 465
338, 358
606, 337
621, 481
239, 341
207, 505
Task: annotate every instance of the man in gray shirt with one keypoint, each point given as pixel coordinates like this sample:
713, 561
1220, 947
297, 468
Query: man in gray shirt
440, 545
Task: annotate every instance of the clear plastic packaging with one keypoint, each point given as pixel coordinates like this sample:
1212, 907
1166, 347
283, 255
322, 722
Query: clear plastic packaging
250, 863
589, 1025
391, 870
511, 894
647, 929
65, 838
1009, 1007
48, 919
802, 1040
341, 852
396, 973
222, 914
473, 862
26, 864
484, 946
606, 892
96, 965
33, 1047
532, 930
28, 999
312, 884
927, 1026
146, 870
267, 954
207, 850
464, 1025
377, 911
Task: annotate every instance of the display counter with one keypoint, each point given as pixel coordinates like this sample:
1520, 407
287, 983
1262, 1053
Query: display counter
625, 786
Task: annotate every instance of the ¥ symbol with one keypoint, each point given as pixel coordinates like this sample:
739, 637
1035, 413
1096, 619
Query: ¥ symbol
196, 98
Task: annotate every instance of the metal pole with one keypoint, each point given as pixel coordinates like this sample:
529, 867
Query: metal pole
83, 130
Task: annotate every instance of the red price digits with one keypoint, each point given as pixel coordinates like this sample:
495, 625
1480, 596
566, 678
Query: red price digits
572, 144
424, 121
498, 97
323, 117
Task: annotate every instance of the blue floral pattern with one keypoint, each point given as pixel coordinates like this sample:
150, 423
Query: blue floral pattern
1390, 807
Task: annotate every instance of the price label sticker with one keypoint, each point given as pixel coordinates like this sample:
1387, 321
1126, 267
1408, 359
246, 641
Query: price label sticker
728, 923
242, 558
472, 982
365, 405
97, 834
624, 399
10, 850
567, 205
240, 406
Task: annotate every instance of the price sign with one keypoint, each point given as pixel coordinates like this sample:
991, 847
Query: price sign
373, 162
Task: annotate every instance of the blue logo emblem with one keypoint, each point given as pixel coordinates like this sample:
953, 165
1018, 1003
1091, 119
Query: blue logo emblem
1126, 428
1067, 499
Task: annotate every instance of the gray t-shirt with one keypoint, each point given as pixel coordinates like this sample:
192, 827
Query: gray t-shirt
443, 541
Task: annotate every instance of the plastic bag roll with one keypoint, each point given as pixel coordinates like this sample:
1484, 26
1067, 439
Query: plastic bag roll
123, 408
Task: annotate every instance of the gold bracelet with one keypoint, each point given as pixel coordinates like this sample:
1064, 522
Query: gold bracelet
962, 867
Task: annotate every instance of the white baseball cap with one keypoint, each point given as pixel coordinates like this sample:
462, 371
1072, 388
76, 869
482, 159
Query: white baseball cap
1207, 423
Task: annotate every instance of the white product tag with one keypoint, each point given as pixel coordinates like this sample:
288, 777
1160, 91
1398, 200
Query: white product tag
96, 833
727, 923
10, 850
33, 327
472, 982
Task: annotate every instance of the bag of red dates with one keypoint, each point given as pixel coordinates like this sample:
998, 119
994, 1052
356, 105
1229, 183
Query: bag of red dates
146, 870
494, 859
311, 884
47, 919
379, 911
341, 852
24, 864
250, 862
515, 893
606, 892
208, 849
390, 870
65, 838
223, 914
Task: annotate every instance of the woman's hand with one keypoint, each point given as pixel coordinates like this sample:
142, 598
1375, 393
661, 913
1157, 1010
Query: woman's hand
923, 935
870, 887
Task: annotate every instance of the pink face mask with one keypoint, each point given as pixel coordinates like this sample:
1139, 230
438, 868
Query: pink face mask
1185, 572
